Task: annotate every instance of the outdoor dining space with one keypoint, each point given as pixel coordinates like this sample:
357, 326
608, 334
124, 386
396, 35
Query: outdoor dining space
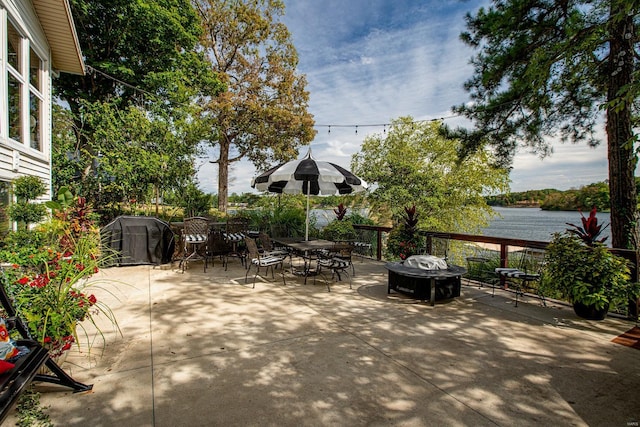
206, 348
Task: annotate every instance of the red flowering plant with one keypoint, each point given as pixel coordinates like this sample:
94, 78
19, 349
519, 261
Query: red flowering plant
590, 230
54, 300
53, 296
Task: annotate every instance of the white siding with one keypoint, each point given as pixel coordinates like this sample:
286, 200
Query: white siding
31, 162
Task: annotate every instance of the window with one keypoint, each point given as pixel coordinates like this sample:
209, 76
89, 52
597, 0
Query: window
13, 47
35, 100
34, 116
15, 100
25, 87
35, 67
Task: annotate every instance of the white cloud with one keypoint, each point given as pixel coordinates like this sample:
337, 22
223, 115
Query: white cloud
368, 62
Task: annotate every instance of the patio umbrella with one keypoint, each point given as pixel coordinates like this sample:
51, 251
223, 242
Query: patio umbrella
308, 176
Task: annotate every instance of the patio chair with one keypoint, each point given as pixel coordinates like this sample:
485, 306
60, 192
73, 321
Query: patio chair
477, 269
363, 245
268, 247
194, 241
257, 260
526, 275
217, 246
338, 261
237, 229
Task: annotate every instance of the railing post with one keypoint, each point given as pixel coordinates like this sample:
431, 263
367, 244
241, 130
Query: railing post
379, 248
504, 261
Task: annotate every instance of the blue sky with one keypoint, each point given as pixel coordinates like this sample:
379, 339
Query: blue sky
368, 62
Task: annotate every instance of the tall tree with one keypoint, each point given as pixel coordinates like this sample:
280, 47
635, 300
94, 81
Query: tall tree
545, 69
413, 164
135, 104
263, 114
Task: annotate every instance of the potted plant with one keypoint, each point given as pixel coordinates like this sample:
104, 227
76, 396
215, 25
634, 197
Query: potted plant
50, 286
585, 272
404, 240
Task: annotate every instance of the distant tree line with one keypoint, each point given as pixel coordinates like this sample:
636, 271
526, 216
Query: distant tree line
583, 198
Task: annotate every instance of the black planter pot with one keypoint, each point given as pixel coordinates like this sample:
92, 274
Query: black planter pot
590, 312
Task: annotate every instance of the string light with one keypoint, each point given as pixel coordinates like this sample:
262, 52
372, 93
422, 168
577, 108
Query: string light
384, 125
91, 69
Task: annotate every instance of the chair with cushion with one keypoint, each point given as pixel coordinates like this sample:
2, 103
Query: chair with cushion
269, 248
526, 274
194, 241
364, 242
237, 229
258, 260
337, 260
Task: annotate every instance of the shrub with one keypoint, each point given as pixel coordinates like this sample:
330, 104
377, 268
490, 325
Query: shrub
338, 230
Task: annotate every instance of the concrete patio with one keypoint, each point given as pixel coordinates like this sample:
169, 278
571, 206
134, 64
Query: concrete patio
203, 349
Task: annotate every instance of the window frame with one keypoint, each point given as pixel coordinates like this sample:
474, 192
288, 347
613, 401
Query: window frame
38, 148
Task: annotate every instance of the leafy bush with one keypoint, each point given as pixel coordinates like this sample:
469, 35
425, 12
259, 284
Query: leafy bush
26, 190
590, 275
338, 230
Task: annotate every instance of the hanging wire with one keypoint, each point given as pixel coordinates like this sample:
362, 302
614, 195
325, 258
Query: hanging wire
143, 92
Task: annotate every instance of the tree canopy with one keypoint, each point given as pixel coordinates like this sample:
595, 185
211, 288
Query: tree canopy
134, 121
544, 71
414, 164
262, 116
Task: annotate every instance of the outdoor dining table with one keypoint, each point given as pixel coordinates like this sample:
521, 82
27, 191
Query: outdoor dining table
307, 250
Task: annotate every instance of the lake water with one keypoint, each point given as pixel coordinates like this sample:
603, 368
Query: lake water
515, 223
536, 224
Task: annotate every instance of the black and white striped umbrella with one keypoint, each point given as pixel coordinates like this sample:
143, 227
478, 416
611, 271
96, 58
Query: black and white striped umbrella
308, 176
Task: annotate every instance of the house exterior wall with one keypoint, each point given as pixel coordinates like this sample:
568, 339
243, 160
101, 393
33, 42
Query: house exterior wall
19, 157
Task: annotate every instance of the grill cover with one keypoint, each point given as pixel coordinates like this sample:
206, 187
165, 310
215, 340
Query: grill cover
138, 240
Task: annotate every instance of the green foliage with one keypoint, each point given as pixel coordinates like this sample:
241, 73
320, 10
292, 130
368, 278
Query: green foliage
339, 230
157, 50
194, 201
357, 218
583, 198
48, 278
413, 163
30, 413
23, 247
27, 213
63, 200
283, 216
27, 188
588, 275
114, 144
24, 210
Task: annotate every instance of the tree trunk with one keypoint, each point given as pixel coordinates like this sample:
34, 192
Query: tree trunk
223, 174
622, 159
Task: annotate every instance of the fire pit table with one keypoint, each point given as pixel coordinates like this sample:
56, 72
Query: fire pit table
423, 284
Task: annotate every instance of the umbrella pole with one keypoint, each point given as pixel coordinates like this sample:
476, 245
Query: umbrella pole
306, 233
